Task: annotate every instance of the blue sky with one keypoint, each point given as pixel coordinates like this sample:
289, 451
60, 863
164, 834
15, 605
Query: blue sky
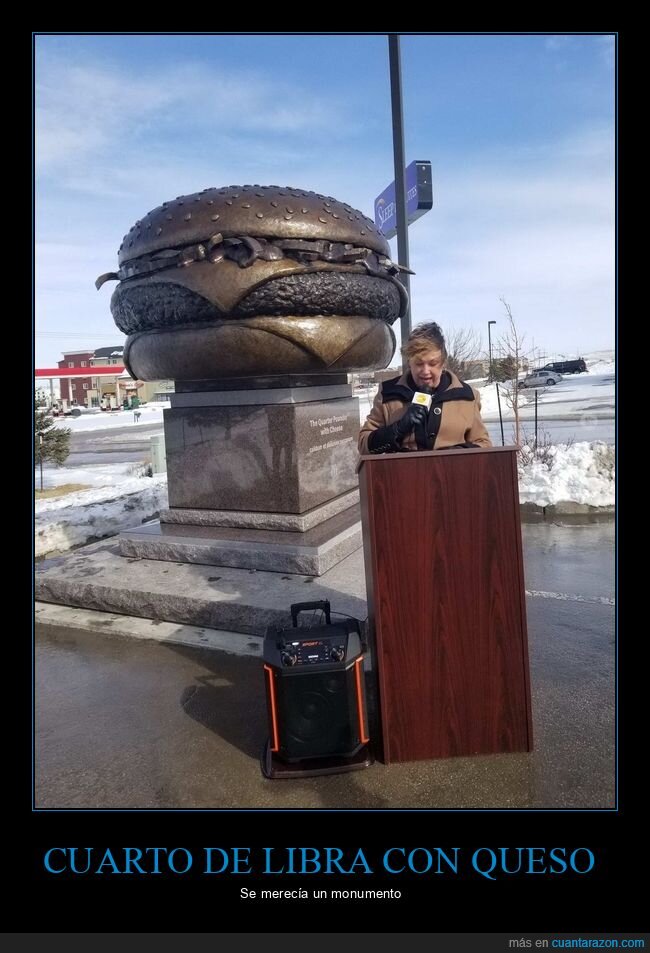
519, 129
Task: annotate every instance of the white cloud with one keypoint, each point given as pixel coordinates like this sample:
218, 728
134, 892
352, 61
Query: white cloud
540, 234
607, 47
85, 111
558, 42
67, 302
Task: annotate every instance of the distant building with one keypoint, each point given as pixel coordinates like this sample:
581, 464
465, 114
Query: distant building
46, 393
386, 374
106, 391
75, 391
474, 370
145, 391
108, 355
90, 391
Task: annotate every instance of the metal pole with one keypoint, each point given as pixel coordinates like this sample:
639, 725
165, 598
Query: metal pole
503, 441
400, 178
535, 416
40, 456
490, 372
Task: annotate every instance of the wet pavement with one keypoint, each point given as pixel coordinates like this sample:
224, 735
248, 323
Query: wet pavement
122, 723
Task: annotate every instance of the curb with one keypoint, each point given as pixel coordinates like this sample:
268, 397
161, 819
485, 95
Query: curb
566, 512
570, 418
50, 616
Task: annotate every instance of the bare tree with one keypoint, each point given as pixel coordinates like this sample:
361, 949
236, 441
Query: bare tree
463, 350
511, 344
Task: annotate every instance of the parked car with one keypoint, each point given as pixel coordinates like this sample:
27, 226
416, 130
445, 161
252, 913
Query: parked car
540, 379
567, 367
78, 411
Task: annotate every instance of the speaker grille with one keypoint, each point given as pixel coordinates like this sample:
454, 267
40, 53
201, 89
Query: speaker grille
317, 713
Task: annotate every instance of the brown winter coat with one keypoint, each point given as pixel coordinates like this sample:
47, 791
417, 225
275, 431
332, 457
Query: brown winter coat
456, 407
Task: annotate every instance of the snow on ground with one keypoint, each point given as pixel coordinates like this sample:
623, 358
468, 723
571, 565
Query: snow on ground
119, 499
149, 414
581, 473
592, 392
93, 514
100, 474
97, 494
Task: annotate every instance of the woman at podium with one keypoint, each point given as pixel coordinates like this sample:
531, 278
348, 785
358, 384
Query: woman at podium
428, 407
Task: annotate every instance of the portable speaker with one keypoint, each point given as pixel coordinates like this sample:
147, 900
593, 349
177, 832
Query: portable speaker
315, 690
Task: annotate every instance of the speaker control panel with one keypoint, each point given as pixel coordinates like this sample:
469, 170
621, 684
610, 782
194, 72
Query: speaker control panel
313, 651
298, 647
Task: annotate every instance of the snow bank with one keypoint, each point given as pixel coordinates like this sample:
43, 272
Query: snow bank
93, 514
581, 473
96, 474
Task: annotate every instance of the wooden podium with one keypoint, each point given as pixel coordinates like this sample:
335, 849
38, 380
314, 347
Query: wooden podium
446, 602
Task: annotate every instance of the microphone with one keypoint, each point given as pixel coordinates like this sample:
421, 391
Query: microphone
414, 419
423, 398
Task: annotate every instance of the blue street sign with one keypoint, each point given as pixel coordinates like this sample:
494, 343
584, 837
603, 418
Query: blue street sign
419, 198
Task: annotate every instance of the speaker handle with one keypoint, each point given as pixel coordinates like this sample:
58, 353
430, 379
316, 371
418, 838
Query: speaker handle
299, 607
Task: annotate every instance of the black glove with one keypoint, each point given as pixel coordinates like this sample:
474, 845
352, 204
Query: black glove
388, 439
415, 414
384, 440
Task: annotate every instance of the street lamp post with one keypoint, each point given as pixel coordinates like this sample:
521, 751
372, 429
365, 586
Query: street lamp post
490, 374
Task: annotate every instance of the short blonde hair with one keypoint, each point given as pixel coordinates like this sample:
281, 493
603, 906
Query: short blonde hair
425, 337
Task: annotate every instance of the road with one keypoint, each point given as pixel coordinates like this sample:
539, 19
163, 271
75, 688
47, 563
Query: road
557, 431
112, 445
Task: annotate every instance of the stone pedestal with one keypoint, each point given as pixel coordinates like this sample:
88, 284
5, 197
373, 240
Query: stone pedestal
309, 553
259, 476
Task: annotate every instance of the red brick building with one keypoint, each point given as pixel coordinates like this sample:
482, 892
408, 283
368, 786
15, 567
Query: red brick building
91, 391
76, 390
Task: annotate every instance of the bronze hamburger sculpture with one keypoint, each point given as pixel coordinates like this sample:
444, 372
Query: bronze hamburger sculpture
254, 280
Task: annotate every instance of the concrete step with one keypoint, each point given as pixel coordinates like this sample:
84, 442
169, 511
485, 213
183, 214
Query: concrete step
312, 552
247, 601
